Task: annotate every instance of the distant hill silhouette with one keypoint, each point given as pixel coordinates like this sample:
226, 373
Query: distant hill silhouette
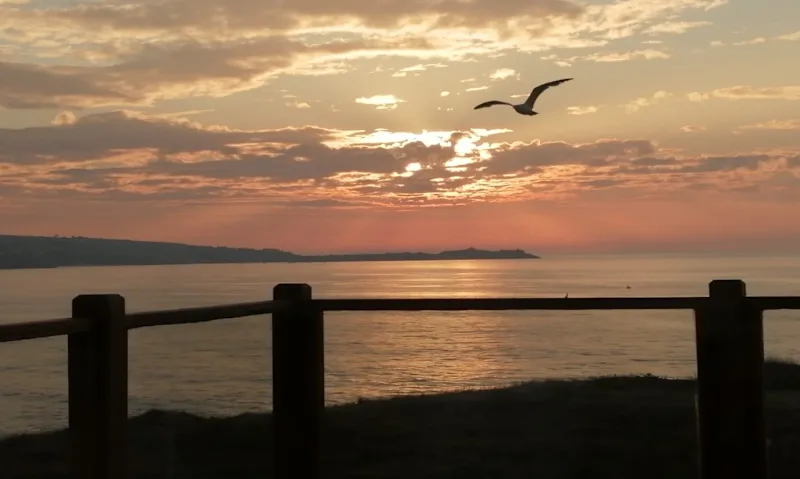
55, 251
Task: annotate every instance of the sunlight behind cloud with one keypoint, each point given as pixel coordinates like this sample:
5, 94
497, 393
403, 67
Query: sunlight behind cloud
416, 166
391, 139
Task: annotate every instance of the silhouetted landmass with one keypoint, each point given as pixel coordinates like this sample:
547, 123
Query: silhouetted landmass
628, 427
51, 252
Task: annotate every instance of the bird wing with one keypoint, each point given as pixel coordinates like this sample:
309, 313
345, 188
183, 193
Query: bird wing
540, 89
491, 103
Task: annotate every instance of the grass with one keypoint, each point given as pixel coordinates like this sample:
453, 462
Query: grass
611, 427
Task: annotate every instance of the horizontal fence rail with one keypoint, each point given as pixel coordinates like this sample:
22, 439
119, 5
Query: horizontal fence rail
202, 314
505, 304
767, 303
42, 329
729, 347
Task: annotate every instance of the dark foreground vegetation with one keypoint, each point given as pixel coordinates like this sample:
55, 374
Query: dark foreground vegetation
51, 252
612, 427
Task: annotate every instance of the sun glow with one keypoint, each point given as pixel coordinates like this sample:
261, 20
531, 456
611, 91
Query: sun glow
396, 139
412, 167
467, 150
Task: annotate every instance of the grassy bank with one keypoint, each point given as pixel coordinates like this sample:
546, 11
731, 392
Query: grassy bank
613, 427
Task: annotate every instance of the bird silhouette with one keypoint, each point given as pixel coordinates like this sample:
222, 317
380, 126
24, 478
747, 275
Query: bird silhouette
527, 107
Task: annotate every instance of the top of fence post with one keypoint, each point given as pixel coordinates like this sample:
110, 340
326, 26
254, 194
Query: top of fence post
727, 288
291, 291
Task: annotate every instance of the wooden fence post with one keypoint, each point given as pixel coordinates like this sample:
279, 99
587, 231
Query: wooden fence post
98, 389
730, 385
298, 384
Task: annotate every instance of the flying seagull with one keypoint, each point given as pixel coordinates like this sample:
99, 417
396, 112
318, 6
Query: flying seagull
527, 107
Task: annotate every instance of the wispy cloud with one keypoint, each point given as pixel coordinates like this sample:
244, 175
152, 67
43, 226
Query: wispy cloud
693, 129
752, 41
642, 102
417, 69
675, 27
581, 110
626, 56
785, 125
502, 74
301, 105
381, 102
741, 92
789, 37
609, 57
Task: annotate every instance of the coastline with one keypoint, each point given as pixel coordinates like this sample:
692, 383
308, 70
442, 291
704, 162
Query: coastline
304, 261
617, 426
37, 252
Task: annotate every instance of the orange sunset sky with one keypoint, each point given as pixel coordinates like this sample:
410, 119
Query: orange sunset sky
348, 125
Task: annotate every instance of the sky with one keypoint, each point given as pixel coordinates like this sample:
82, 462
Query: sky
348, 125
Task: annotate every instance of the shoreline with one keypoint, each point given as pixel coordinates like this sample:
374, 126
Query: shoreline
310, 261
41, 252
605, 427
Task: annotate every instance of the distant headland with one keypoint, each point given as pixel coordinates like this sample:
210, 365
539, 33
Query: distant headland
22, 252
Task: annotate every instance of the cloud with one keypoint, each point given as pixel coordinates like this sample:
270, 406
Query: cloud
251, 16
417, 69
675, 27
693, 129
697, 96
129, 53
381, 102
784, 125
642, 102
626, 56
125, 156
180, 114
65, 118
192, 69
740, 92
609, 57
581, 110
790, 37
752, 41
101, 136
503, 73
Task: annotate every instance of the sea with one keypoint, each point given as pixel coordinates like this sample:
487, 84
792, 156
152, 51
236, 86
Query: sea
223, 368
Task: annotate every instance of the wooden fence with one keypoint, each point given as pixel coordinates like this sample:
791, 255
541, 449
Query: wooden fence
730, 358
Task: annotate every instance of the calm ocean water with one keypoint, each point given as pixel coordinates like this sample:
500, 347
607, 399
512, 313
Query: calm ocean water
223, 368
